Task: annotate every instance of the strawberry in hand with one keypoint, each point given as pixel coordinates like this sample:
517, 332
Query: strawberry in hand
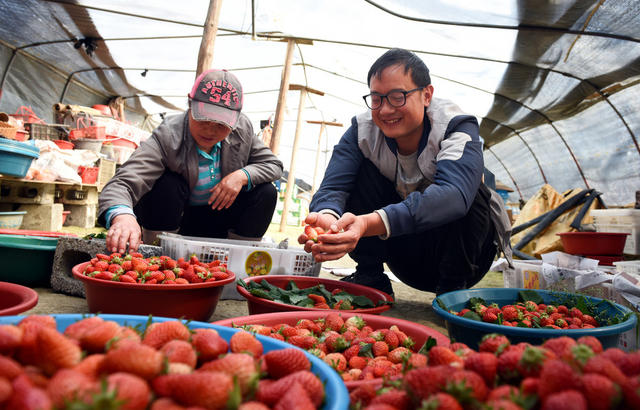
311, 233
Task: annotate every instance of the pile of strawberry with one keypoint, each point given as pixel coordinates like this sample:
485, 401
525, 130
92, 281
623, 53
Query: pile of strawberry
530, 314
562, 374
134, 268
100, 364
351, 347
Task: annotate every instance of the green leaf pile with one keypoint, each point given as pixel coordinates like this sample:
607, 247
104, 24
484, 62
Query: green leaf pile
292, 295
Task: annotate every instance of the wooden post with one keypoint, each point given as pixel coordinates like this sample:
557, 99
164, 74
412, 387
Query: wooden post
282, 98
291, 179
323, 124
205, 55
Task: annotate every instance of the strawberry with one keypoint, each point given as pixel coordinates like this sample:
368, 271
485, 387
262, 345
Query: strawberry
70, 385
631, 391
417, 360
245, 342
159, 333
602, 365
441, 401
592, 342
270, 393
180, 351
426, 381
351, 351
555, 376
295, 398
304, 342
208, 344
529, 386
337, 361
398, 399
380, 349
614, 354
355, 321
77, 329
133, 391
136, 358
493, 343
211, 390
505, 391
532, 360
286, 361
94, 339
10, 338
392, 340
630, 364
565, 400
335, 342
333, 321
311, 233
466, 386
251, 405
57, 351
483, 363
439, 355
237, 365
502, 404
559, 345
357, 362
90, 365
362, 395
5, 389
399, 355
9, 368
600, 392
509, 366
26, 396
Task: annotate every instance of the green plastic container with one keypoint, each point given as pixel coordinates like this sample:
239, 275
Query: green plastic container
27, 260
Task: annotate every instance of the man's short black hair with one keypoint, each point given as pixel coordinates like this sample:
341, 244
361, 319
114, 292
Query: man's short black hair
410, 61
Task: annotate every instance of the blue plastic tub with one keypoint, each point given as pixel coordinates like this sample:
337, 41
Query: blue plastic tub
471, 332
336, 394
16, 157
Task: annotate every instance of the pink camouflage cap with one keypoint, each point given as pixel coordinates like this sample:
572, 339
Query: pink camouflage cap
217, 96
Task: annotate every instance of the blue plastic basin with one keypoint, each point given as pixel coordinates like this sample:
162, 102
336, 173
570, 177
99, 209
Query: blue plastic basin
336, 394
16, 157
471, 332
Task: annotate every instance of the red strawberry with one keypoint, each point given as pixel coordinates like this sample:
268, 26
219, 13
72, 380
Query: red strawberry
483, 363
335, 342
286, 361
333, 321
592, 342
556, 376
10, 338
270, 393
399, 355
5, 389
466, 386
439, 355
90, 365
70, 385
77, 329
493, 343
363, 394
565, 400
56, 351
26, 396
211, 390
380, 349
209, 344
417, 360
303, 342
602, 365
94, 338
159, 333
311, 233
139, 359
426, 381
600, 392
532, 360
630, 364
631, 391
502, 404
398, 399
9, 368
337, 361
237, 365
252, 405
245, 342
505, 391
559, 345
180, 351
133, 391
441, 401
295, 398
529, 386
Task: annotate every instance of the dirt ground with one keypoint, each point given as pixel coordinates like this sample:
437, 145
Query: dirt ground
411, 304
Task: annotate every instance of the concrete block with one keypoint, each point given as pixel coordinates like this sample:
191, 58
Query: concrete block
43, 217
20, 192
73, 251
78, 195
82, 215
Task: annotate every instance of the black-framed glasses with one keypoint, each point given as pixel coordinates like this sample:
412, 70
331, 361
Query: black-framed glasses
396, 98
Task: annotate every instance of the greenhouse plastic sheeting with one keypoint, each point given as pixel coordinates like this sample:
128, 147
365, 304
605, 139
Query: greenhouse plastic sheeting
554, 85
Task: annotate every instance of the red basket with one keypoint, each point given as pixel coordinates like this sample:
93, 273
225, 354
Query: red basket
89, 175
26, 114
84, 131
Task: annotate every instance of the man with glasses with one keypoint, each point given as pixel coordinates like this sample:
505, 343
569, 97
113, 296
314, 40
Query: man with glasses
404, 187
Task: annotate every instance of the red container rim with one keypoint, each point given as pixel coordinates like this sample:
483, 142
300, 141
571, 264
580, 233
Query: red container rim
47, 234
592, 234
28, 298
78, 269
64, 144
270, 306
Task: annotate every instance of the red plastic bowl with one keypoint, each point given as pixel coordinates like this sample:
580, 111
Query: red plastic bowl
258, 305
62, 144
195, 301
419, 333
15, 299
593, 243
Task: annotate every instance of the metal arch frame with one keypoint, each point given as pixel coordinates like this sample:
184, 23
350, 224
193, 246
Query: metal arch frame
519, 28
507, 171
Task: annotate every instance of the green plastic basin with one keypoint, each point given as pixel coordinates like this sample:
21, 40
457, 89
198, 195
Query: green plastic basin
27, 260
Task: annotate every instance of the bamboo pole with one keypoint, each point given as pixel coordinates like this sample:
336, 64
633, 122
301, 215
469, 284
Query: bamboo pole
282, 99
205, 55
323, 125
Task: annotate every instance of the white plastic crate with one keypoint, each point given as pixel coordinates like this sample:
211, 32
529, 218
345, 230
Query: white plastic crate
243, 258
632, 245
632, 267
618, 216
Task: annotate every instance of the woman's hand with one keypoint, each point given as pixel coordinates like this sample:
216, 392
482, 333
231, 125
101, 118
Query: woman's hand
124, 228
226, 191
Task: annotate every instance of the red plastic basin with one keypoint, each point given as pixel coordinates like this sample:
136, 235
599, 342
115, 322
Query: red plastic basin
258, 305
419, 333
15, 299
195, 301
593, 243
